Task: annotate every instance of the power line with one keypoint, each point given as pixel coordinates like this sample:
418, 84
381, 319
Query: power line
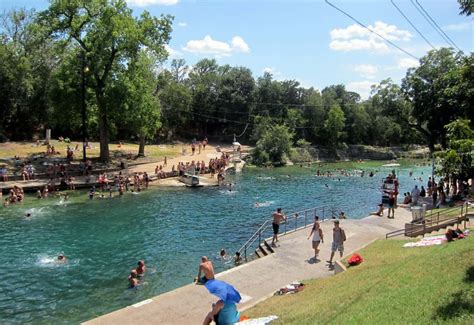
439, 28
240, 122
433, 23
412, 25
371, 30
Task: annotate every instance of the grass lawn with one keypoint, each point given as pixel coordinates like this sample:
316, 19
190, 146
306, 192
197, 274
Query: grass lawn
25, 149
394, 285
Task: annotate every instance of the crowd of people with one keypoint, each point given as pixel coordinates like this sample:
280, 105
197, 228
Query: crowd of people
15, 195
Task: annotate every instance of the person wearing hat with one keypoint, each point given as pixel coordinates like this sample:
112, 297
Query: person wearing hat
338, 239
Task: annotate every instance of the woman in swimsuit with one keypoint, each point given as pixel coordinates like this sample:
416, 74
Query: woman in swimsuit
318, 237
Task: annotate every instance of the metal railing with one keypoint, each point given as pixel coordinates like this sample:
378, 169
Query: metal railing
435, 219
295, 221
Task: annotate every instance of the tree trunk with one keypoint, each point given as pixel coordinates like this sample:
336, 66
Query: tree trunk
431, 146
103, 127
141, 147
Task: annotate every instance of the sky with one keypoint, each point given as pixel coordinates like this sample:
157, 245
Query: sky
306, 40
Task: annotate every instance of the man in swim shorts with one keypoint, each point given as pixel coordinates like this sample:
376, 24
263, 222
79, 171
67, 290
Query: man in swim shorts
338, 239
278, 217
207, 268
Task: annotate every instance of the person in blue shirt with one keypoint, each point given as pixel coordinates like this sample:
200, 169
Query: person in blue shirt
223, 313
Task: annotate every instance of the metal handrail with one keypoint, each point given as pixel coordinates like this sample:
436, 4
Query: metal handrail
298, 215
430, 221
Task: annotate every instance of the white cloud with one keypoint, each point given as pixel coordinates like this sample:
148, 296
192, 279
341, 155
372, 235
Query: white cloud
145, 3
239, 45
355, 37
207, 45
172, 52
459, 27
182, 24
361, 87
271, 70
359, 44
406, 63
366, 70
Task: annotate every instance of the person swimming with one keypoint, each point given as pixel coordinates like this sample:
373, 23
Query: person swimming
133, 279
223, 255
141, 269
61, 258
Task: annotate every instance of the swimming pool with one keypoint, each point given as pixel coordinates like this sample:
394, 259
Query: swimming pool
170, 228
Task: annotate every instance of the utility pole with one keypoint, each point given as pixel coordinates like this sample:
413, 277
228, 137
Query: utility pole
84, 69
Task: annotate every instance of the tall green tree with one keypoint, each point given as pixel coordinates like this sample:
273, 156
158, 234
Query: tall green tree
109, 35
27, 61
334, 125
466, 7
142, 106
432, 89
393, 112
273, 145
176, 99
457, 161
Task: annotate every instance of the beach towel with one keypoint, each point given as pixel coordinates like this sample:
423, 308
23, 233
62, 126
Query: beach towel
258, 321
431, 241
291, 288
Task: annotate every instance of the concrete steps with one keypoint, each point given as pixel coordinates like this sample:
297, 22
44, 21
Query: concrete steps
264, 249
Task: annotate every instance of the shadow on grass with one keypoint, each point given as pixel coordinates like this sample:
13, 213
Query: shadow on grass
469, 275
460, 304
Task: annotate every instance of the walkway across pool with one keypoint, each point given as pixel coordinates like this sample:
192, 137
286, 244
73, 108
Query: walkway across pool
259, 279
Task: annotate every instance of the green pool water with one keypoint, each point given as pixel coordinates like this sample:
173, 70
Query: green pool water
170, 228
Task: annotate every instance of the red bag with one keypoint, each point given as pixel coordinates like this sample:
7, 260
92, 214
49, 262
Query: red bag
355, 259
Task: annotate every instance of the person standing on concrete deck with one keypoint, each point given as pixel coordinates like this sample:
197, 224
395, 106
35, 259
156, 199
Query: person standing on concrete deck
318, 238
391, 205
278, 217
415, 195
338, 239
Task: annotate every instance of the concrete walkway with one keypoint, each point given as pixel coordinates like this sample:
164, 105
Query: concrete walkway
259, 279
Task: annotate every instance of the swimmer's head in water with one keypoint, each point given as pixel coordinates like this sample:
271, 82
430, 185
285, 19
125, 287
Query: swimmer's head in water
60, 257
28, 214
279, 210
141, 263
133, 273
204, 258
